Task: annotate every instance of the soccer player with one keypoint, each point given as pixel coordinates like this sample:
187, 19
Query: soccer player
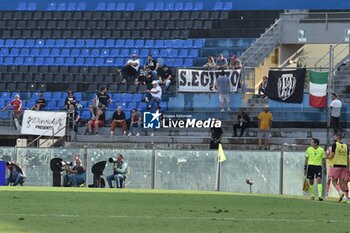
314, 159
340, 156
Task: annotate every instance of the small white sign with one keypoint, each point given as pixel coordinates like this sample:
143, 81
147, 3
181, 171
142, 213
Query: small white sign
301, 35
347, 35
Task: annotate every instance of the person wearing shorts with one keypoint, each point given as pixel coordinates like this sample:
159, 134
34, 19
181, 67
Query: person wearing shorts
340, 156
96, 122
223, 87
314, 159
265, 123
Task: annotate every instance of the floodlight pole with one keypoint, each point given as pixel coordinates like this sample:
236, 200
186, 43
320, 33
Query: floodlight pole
330, 78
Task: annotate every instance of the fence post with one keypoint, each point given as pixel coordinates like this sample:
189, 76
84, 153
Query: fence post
281, 171
87, 173
153, 167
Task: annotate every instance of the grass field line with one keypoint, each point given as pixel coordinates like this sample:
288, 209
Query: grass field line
176, 218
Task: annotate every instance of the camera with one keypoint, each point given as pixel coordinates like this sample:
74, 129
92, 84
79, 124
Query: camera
8, 163
249, 181
65, 163
112, 160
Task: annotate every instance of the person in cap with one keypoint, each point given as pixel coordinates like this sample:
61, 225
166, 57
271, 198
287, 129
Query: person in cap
154, 95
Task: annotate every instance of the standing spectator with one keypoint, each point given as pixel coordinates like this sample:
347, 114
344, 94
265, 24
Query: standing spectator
221, 62
152, 65
314, 159
265, 124
16, 174
131, 69
335, 107
243, 123
70, 100
97, 120
153, 95
235, 63
40, 103
216, 135
210, 65
135, 121
166, 76
119, 120
262, 87
223, 87
340, 156
17, 109
120, 168
102, 99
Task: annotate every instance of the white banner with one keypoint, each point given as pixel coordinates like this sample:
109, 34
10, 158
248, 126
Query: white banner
44, 123
204, 80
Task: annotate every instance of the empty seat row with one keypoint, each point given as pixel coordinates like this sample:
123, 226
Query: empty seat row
113, 53
103, 70
88, 34
105, 24
90, 61
117, 15
101, 43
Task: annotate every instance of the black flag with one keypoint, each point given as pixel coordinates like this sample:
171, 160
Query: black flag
286, 86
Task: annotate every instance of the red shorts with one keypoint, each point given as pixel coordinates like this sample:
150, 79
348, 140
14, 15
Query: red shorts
330, 172
347, 179
100, 123
340, 173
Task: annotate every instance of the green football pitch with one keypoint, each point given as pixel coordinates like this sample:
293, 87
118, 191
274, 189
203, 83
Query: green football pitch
49, 210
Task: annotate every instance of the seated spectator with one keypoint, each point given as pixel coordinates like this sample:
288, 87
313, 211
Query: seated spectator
97, 120
166, 76
16, 174
70, 100
102, 99
221, 62
235, 63
262, 87
135, 121
243, 122
153, 95
75, 176
210, 65
40, 103
145, 78
152, 65
119, 120
131, 69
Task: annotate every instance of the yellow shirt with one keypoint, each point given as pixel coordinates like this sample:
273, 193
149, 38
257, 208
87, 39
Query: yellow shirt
265, 118
340, 154
315, 156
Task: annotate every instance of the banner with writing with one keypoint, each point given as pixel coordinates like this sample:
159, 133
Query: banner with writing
44, 123
204, 80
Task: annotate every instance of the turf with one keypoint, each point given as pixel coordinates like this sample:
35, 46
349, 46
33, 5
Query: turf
50, 210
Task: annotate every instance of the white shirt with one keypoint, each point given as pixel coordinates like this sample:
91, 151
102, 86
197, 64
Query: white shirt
336, 108
137, 61
159, 94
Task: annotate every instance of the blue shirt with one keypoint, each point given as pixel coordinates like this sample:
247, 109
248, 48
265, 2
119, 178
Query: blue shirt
223, 83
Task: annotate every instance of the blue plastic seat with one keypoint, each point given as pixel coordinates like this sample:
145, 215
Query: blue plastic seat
35, 95
51, 105
69, 61
85, 114
85, 52
90, 61
110, 43
159, 44
104, 52
136, 51
116, 97
22, 6
183, 53
47, 95
5, 96
141, 106
169, 6
139, 44
24, 52
19, 61
35, 52
169, 61
173, 53
178, 43
4, 52
59, 61
29, 61
129, 43
101, 6
227, 6
89, 43
72, 6
130, 6
64, 52
19, 43
187, 43
150, 6
193, 53
9, 43
109, 61
81, 6
124, 52
60, 43
80, 43
132, 105
114, 52
159, 6
179, 6
188, 62
56, 95
50, 43
137, 97
100, 43
49, 61
52, 6
144, 53
127, 97
5, 115
119, 43
75, 52
62, 6
218, 6
188, 6
45, 52
110, 6
99, 62
8, 61
14, 52
120, 6
198, 6
163, 106
198, 43
79, 61
149, 44
95, 53
70, 43
164, 53
2, 42
169, 44
119, 62
2, 104
178, 62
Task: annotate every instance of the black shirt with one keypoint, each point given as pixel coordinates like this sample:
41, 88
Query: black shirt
245, 118
70, 99
41, 100
165, 74
216, 133
103, 98
152, 65
117, 116
79, 169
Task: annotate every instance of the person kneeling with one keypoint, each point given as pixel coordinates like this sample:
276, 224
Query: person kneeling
16, 174
75, 176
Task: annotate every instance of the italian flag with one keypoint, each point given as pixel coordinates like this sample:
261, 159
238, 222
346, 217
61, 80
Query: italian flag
318, 89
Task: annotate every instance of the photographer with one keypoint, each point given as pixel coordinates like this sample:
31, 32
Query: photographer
16, 174
216, 135
119, 171
75, 176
